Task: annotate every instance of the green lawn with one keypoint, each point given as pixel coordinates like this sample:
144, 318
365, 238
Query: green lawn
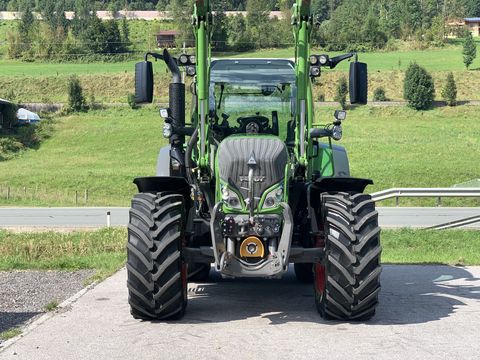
112, 82
447, 58
400, 147
103, 151
451, 247
102, 250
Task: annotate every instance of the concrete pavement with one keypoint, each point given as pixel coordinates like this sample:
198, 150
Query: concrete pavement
426, 312
97, 217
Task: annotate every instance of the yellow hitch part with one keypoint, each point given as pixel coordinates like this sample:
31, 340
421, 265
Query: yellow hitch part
252, 247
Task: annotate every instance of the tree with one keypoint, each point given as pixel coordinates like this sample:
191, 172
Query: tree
341, 92
76, 100
258, 28
469, 50
379, 94
472, 8
125, 32
418, 87
27, 22
220, 26
181, 12
449, 91
237, 29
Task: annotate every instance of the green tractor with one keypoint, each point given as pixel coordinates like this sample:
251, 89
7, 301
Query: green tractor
249, 186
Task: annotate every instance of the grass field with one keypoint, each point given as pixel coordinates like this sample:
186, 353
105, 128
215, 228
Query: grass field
103, 151
104, 250
452, 247
112, 82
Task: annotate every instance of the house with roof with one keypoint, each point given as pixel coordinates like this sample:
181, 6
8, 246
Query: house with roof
473, 24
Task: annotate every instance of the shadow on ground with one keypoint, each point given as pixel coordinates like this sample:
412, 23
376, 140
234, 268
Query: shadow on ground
410, 295
9, 320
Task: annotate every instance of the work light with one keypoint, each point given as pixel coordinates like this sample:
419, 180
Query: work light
183, 59
323, 59
164, 113
191, 70
167, 130
314, 71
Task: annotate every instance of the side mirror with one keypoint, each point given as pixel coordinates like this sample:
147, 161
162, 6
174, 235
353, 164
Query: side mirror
358, 83
143, 82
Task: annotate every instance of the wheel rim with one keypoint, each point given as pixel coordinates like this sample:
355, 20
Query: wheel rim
319, 278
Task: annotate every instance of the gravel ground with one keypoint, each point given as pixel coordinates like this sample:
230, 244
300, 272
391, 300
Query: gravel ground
24, 294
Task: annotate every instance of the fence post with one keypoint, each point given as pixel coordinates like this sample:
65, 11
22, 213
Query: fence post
86, 196
76, 197
8, 192
439, 201
397, 201
109, 223
25, 192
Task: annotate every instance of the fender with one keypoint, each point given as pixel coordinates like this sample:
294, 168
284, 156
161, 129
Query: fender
341, 184
331, 184
154, 184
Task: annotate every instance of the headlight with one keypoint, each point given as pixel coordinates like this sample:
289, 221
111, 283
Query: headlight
273, 198
167, 130
337, 132
313, 60
230, 198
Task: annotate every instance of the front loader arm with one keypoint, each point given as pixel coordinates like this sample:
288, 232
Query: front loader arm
202, 23
302, 26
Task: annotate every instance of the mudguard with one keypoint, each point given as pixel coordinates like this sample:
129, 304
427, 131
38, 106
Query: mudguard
333, 184
154, 184
341, 184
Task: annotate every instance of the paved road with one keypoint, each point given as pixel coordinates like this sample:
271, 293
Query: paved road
426, 312
97, 217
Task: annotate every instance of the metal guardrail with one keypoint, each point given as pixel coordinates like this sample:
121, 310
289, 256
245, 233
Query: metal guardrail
439, 193
457, 223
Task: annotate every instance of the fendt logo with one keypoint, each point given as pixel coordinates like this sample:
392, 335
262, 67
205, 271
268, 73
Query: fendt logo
256, 179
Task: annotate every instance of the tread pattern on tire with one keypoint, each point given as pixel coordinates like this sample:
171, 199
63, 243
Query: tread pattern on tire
353, 252
154, 262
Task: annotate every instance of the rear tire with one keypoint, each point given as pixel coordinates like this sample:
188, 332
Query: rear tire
304, 273
347, 284
157, 275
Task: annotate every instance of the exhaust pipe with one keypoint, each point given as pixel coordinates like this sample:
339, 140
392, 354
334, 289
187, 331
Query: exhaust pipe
177, 113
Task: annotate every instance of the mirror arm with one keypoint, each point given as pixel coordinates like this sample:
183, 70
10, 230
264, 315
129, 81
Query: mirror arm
156, 56
338, 59
171, 63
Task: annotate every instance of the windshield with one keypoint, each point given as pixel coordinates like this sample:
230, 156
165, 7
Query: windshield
252, 96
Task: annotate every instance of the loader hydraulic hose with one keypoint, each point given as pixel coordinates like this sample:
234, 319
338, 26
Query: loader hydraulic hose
188, 154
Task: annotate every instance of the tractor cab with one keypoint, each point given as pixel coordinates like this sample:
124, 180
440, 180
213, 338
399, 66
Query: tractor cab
251, 96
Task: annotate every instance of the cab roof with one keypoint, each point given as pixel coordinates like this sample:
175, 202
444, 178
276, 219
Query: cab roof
253, 71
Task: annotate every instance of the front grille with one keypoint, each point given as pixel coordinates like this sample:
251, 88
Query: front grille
270, 155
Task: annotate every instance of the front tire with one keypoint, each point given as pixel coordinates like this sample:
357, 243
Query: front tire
157, 275
347, 283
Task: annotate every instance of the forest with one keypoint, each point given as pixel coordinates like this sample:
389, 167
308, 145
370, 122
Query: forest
360, 25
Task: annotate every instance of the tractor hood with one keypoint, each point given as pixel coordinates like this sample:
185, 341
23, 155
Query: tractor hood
267, 156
